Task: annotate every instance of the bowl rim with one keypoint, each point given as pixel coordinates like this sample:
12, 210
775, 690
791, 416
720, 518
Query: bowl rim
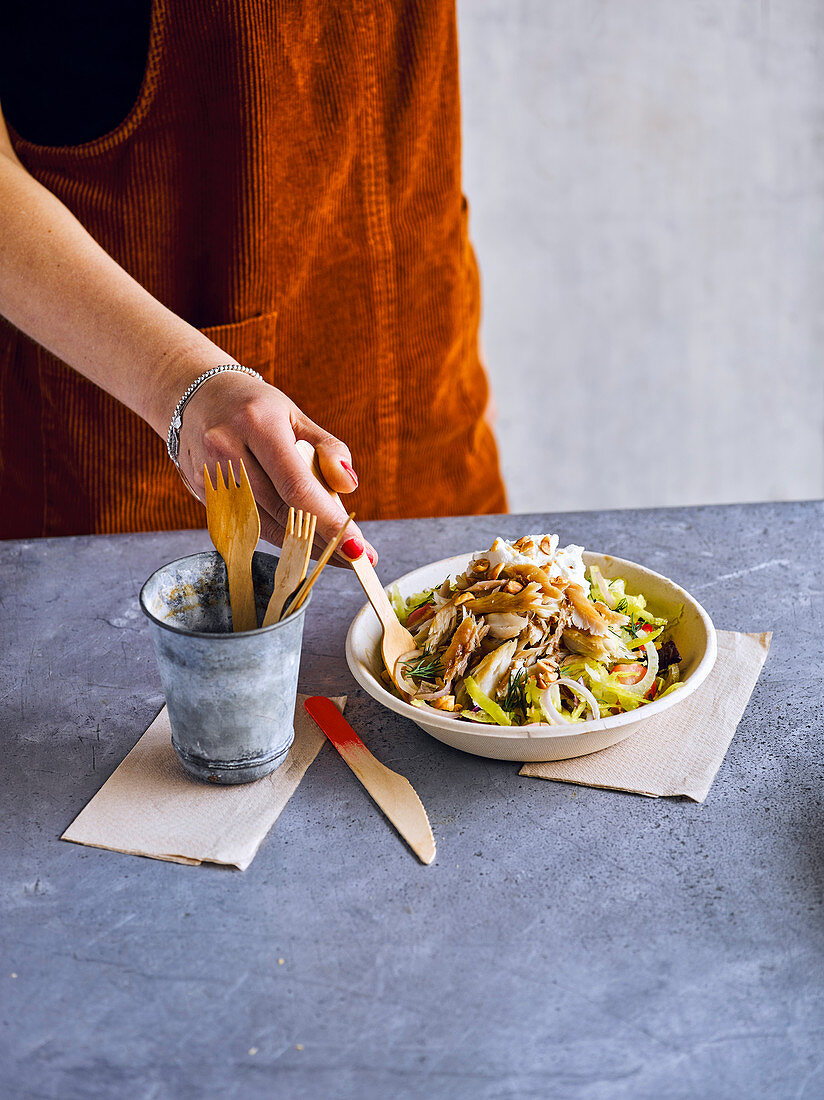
370, 683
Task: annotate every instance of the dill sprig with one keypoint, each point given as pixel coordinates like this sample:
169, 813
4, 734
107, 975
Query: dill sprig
426, 667
632, 627
515, 698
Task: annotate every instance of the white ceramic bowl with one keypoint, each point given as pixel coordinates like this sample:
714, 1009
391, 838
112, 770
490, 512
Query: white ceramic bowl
694, 635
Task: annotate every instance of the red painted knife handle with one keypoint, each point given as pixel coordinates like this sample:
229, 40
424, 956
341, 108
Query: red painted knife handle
333, 724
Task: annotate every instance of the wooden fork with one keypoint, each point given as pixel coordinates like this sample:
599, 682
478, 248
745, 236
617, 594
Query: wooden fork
396, 639
234, 528
293, 561
306, 587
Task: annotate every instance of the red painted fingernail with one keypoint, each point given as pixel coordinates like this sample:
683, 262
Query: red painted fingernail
373, 557
353, 548
349, 471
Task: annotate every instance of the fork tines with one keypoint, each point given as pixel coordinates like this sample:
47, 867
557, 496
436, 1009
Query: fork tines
231, 482
301, 525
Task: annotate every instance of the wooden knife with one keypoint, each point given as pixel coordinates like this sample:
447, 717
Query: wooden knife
395, 795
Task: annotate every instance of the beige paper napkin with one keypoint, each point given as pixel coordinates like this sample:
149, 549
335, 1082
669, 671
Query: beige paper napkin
680, 751
150, 807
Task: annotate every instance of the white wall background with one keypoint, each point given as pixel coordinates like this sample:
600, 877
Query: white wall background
646, 184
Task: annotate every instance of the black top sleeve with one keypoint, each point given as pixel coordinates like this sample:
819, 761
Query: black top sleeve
71, 72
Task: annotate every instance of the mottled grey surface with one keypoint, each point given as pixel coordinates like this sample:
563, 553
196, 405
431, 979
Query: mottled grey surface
567, 941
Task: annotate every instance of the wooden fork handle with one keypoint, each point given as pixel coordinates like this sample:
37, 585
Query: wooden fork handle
309, 455
364, 570
363, 567
241, 596
276, 602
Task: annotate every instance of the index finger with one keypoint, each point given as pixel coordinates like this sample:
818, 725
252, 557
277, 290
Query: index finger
296, 485
310, 456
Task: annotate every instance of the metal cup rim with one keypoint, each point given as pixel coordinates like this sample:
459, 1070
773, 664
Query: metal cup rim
205, 633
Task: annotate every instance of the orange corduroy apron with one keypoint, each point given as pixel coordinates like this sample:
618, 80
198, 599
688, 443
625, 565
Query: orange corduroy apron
288, 181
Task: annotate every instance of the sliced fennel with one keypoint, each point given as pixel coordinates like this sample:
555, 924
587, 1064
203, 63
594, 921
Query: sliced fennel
398, 604
489, 706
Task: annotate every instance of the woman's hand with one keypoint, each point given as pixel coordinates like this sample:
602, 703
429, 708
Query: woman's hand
60, 287
234, 416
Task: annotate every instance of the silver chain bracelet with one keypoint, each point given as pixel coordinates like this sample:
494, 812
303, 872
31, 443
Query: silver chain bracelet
173, 438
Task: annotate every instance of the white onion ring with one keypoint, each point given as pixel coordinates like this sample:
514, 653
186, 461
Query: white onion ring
399, 678
550, 710
584, 692
411, 689
651, 652
644, 684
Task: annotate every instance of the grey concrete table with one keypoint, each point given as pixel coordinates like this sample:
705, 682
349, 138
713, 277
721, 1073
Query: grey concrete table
567, 942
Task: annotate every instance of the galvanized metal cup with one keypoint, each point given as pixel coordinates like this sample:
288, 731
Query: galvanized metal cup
230, 697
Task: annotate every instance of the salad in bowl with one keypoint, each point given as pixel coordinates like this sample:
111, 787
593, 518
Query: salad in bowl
530, 651
529, 634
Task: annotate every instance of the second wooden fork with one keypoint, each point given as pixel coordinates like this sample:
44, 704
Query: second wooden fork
293, 563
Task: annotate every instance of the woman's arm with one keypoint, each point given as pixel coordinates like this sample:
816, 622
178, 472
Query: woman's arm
59, 287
